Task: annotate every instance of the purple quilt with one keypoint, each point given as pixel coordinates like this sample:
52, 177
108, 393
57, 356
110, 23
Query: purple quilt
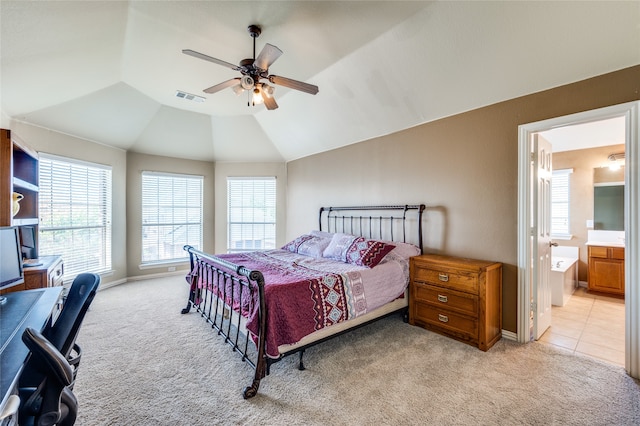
299, 300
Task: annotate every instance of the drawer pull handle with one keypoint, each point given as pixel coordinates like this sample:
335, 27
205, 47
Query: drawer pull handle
443, 277
443, 318
443, 298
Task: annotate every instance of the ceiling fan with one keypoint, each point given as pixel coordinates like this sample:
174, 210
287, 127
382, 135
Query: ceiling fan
253, 70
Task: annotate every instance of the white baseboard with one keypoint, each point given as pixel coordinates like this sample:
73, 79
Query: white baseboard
104, 286
509, 335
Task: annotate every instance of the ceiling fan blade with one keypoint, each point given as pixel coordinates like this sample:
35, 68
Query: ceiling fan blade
267, 56
223, 85
294, 84
269, 101
210, 59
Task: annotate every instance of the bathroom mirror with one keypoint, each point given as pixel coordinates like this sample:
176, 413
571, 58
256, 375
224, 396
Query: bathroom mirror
608, 199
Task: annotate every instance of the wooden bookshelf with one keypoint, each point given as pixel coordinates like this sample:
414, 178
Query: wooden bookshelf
18, 174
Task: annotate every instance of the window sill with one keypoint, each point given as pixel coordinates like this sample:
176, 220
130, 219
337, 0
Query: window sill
562, 237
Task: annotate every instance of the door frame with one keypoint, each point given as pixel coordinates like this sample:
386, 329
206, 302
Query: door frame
631, 112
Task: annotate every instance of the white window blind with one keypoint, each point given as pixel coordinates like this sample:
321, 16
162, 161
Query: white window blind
75, 214
171, 216
251, 215
560, 203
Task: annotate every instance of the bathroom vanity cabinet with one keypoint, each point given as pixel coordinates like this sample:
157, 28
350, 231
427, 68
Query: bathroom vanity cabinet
606, 269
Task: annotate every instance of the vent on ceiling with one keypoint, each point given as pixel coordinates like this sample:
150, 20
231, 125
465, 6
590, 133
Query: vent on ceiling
189, 96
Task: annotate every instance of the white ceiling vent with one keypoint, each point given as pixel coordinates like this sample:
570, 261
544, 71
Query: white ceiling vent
189, 96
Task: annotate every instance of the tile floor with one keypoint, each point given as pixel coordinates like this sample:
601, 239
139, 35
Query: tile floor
591, 325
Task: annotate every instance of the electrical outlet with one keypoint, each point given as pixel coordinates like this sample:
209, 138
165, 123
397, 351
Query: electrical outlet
172, 268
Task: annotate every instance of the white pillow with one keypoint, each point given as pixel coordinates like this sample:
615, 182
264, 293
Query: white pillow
308, 245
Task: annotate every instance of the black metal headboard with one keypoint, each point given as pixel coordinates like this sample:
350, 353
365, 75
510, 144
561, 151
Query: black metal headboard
392, 223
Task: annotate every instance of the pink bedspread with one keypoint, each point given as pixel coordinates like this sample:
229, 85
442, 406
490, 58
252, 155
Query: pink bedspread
300, 298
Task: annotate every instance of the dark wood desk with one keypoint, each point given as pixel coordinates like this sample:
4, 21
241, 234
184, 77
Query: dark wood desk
22, 309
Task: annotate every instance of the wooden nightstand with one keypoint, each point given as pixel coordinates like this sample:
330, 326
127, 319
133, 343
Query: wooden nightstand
460, 298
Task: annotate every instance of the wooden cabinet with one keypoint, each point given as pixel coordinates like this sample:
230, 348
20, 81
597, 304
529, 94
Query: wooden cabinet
19, 175
606, 269
49, 274
460, 298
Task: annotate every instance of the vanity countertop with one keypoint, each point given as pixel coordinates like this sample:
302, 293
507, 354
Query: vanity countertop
604, 243
605, 238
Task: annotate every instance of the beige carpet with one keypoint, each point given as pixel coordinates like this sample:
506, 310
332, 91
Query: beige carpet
146, 364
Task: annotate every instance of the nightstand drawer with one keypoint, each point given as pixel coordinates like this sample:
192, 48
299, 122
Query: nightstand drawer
440, 297
447, 320
450, 278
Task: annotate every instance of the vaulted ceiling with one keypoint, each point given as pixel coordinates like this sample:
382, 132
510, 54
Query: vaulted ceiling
108, 71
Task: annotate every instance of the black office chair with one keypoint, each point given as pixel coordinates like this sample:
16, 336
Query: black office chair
51, 402
63, 333
65, 330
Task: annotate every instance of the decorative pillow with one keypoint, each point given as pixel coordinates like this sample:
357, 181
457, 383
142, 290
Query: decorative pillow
308, 245
404, 250
337, 249
357, 250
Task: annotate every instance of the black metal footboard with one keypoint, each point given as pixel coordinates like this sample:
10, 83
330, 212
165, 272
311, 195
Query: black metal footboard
214, 293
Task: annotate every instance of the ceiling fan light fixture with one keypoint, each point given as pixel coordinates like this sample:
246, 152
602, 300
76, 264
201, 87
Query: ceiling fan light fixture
247, 82
256, 98
253, 70
268, 90
238, 89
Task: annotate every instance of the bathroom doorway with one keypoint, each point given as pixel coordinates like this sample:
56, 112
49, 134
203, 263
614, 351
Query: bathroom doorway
584, 322
527, 298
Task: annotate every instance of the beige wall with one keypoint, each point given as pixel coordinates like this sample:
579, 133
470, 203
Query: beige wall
583, 162
50, 142
225, 170
464, 168
136, 164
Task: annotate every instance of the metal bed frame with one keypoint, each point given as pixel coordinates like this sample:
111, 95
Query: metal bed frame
209, 300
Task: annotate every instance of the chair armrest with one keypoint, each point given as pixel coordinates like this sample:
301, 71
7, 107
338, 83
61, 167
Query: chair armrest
44, 352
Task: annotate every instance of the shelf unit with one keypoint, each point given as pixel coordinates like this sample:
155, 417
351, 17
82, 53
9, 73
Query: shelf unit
18, 173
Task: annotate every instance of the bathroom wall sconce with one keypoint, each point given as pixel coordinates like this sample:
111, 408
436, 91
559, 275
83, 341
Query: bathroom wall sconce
616, 161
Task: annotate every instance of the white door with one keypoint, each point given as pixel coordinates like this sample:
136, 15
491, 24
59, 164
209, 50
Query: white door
541, 237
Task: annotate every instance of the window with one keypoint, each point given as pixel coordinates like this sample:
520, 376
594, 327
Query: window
171, 216
251, 214
560, 203
75, 214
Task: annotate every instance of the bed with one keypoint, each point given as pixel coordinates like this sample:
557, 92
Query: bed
352, 270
